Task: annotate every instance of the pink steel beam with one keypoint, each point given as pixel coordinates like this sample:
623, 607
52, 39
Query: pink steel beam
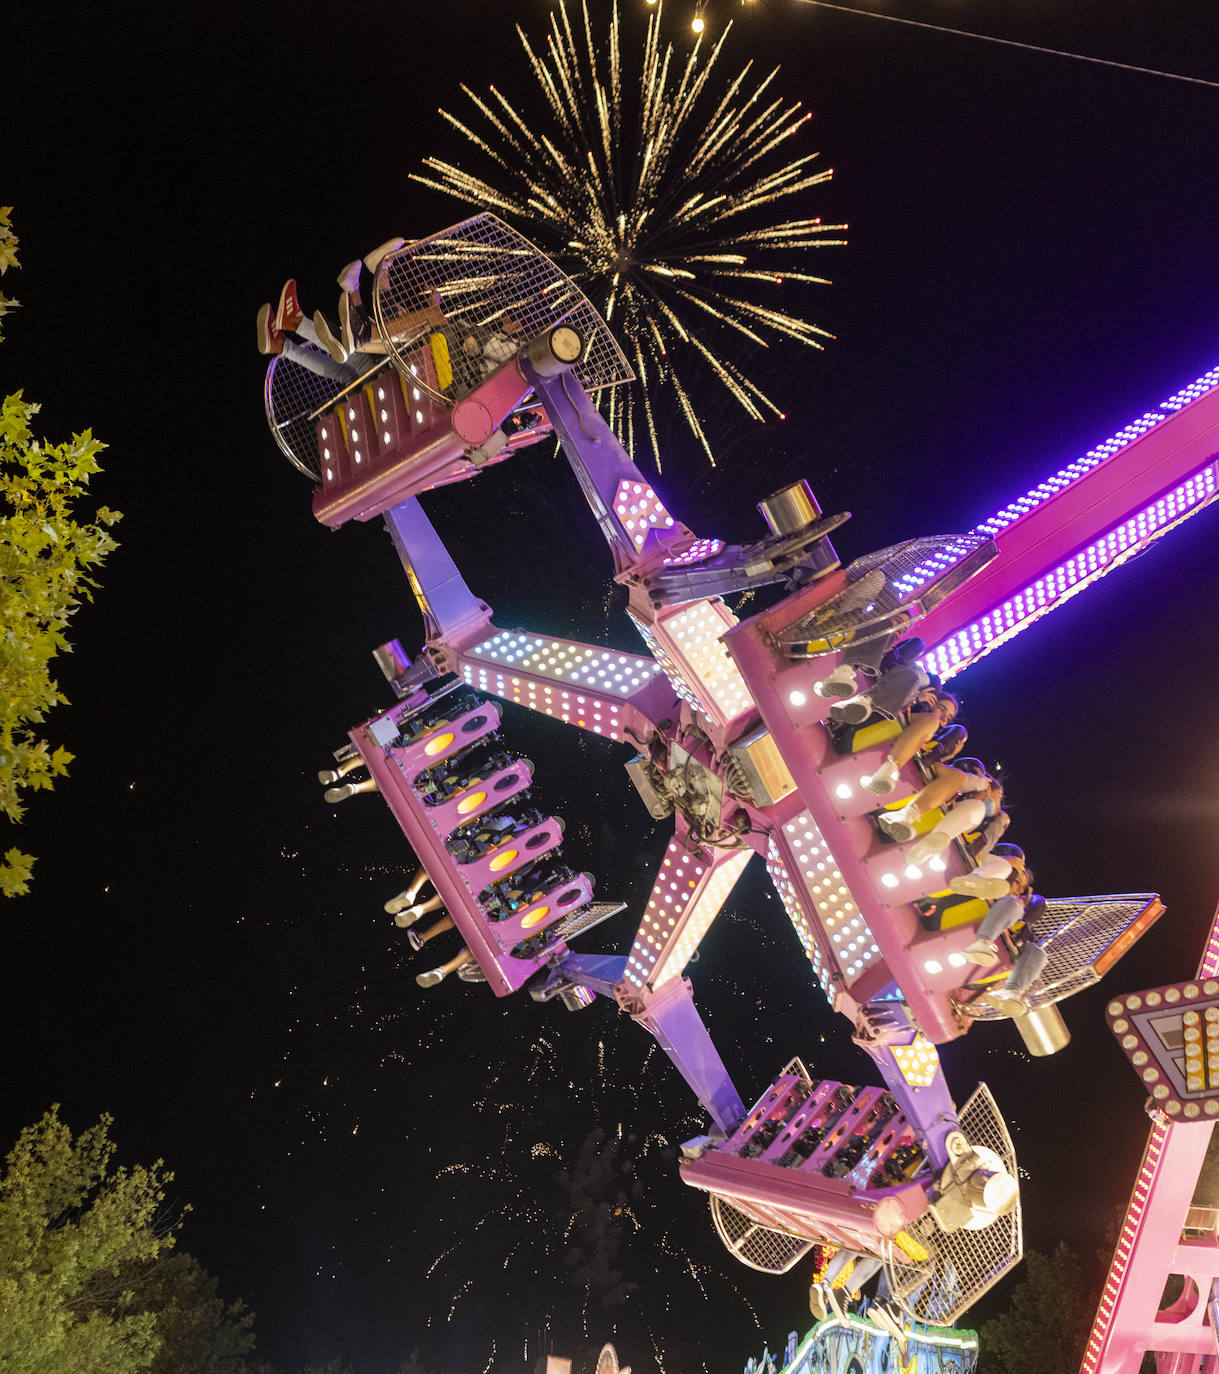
1150, 1245
1081, 523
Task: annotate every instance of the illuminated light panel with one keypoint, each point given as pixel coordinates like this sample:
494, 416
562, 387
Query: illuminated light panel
549, 672
1110, 551
786, 889
851, 942
561, 660
589, 713
668, 665
679, 876
918, 1061
1172, 1033
700, 549
695, 633
698, 920
639, 510
678, 908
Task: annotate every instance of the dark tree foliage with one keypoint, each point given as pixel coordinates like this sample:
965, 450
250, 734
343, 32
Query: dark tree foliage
1045, 1328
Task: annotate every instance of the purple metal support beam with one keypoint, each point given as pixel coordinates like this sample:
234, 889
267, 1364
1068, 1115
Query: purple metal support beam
670, 1015
451, 611
599, 461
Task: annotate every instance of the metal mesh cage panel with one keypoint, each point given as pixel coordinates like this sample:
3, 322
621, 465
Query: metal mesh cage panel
770, 1252
960, 1265
487, 290
889, 588
293, 398
1074, 932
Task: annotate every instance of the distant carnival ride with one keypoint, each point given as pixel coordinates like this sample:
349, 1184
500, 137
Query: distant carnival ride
487, 346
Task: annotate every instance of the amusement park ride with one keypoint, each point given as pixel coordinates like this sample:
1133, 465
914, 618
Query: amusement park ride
487, 347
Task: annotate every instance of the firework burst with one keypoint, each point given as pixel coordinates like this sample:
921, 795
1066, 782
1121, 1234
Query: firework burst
671, 203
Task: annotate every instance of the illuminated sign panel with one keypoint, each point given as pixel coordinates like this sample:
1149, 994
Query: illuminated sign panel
1171, 1037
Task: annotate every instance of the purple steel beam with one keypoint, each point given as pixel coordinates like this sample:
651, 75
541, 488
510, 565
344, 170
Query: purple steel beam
451, 611
670, 1015
599, 461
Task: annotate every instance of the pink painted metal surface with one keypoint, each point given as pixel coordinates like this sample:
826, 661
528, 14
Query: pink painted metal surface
1153, 474
1152, 1245
459, 884
821, 1160
425, 456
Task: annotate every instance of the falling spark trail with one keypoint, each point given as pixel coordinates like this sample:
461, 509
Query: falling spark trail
656, 204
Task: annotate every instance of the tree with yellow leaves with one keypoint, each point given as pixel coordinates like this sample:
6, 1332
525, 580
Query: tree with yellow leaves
47, 556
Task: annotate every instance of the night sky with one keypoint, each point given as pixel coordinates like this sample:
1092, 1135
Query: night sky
1032, 263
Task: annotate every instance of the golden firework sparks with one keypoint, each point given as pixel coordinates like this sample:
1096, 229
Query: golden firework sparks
667, 206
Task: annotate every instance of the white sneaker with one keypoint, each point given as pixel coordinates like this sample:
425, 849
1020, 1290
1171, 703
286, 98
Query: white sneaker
431, 977
816, 1302
900, 825
982, 953
976, 885
883, 781
840, 683
852, 712
373, 260
1008, 1002
928, 847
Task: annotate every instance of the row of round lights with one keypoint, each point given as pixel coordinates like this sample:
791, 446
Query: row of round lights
1191, 1021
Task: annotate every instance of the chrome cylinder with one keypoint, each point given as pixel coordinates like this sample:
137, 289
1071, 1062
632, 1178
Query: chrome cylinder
1043, 1031
790, 509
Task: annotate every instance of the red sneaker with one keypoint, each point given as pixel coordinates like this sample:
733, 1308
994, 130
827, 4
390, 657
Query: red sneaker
270, 340
289, 314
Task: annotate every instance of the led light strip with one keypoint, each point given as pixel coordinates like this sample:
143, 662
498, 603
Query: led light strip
1096, 456
1110, 551
1156, 1141
853, 947
935, 565
786, 889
